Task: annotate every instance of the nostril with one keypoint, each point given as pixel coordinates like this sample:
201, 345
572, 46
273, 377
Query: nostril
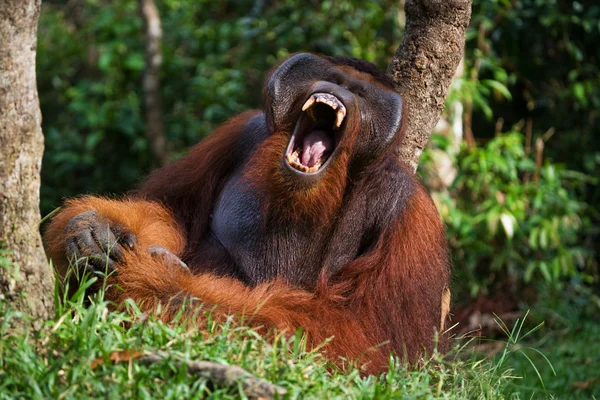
357, 90
335, 79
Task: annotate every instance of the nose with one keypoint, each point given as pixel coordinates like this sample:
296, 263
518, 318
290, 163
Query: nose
344, 95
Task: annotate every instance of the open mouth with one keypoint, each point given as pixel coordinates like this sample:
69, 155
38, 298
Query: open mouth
316, 135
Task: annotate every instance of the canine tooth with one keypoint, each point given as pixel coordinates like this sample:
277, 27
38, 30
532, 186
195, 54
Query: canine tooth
308, 103
339, 117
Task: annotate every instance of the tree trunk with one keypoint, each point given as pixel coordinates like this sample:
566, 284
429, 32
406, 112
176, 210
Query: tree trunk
425, 63
27, 282
154, 122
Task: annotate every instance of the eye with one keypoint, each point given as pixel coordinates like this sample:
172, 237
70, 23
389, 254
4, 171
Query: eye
335, 79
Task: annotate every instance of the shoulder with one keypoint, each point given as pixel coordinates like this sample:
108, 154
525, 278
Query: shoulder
388, 187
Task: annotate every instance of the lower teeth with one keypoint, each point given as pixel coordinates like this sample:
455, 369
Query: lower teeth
294, 160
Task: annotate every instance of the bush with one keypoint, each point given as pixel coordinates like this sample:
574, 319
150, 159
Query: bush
512, 221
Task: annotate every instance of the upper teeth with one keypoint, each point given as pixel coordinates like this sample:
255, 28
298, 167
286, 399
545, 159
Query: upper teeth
331, 101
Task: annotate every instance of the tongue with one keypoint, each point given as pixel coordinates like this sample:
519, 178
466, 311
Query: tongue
314, 146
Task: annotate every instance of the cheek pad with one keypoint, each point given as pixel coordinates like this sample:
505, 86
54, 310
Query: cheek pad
382, 116
291, 81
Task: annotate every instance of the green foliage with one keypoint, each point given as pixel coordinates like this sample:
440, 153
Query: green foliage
88, 76
530, 64
570, 320
546, 54
509, 220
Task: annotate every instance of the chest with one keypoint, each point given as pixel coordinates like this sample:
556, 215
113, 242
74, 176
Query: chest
263, 247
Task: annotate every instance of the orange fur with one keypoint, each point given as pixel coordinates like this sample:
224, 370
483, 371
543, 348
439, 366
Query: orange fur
316, 204
367, 309
385, 300
153, 224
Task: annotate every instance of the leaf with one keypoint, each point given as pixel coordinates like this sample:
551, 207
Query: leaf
117, 357
533, 238
135, 62
509, 223
584, 385
529, 272
543, 238
492, 223
579, 92
499, 87
105, 60
545, 271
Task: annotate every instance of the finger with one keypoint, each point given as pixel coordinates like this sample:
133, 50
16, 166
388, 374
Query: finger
107, 241
88, 247
87, 263
129, 240
71, 248
87, 243
101, 263
80, 222
167, 257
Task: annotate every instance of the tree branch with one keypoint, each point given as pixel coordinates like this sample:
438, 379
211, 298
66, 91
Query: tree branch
222, 375
424, 65
154, 123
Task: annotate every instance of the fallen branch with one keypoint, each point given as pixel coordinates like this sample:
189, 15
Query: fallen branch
219, 374
222, 375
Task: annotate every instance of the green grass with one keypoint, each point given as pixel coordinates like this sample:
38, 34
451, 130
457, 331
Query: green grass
71, 358
571, 341
57, 363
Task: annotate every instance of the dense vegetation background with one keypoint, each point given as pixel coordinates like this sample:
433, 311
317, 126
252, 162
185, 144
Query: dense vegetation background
518, 188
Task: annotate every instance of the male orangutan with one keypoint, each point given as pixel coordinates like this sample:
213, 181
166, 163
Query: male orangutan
298, 216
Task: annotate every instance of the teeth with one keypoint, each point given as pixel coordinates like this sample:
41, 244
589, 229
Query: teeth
294, 160
308, 103
339, 117
331, 101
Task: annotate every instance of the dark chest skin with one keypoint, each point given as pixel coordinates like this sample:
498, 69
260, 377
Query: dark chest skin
245, 242
260, 247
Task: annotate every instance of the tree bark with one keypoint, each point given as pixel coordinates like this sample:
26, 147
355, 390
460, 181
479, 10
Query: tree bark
154, 122
425, 63
27, 282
